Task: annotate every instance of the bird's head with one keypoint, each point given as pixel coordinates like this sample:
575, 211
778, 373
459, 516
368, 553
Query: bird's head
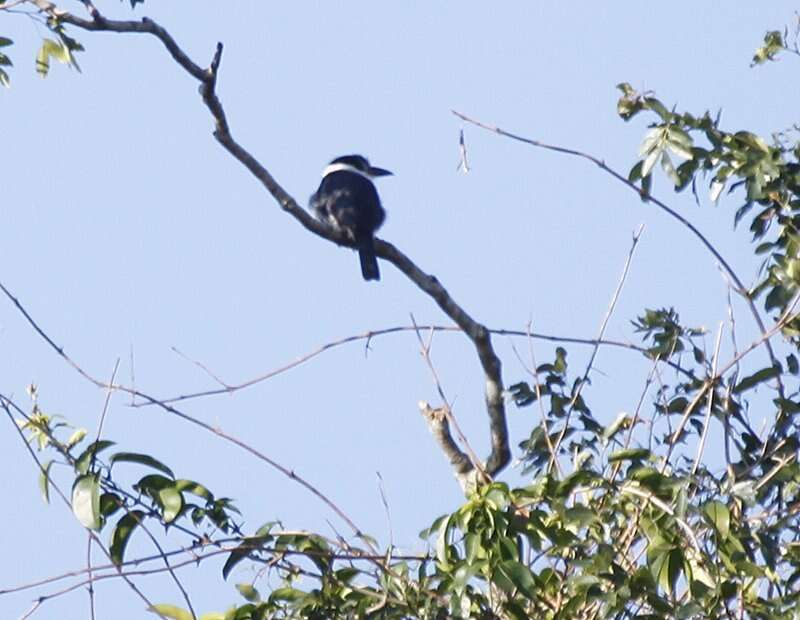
355, 163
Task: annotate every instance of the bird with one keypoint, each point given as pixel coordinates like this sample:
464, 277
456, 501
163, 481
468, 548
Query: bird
348, 201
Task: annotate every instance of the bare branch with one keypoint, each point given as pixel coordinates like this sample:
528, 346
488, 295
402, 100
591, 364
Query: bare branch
106, 403
710, 406
90, 585
168, 567
476, 332
206, 369
369, 335
440, 429
537, 388
449, 417
603, 325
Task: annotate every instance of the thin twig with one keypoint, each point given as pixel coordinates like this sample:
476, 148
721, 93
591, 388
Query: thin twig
106, 402
388, 512
710, 406
634, 490
635, 418
169, 568
372, 334
592, 357
425, 349
223, 546
90, 585
537, 386
713, 380
206, 369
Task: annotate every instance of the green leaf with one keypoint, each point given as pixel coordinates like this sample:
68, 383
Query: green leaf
666, 567
248, 592
5, 42
773, 43
86, 501
716, 190
190, 486
792, 364
53, 49
510, 575
629, 454
669, 169
622, 421
264, 530
286, 594
650, 161
141, 459
647, 185
765, 374
122, 534
753, 140
345, 575
4, 80
110, 503
58, 51
719, 516
171, 500
83, 462
678, 405
636, 172
44, 481
630, 103
582, 477
170, 611
249, 545
656, 106
560, 364
43, 58
76, 437
472, 546
651, 139
580, 516
153, 483
442, 542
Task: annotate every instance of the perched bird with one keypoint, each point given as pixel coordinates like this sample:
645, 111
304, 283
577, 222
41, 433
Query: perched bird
348, 201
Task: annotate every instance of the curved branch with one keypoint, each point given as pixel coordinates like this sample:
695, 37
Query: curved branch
500, 453
740, 287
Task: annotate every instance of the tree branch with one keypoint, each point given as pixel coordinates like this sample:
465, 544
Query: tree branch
500, 453
229, 388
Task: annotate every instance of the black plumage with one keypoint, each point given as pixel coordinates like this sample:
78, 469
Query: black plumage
348, 201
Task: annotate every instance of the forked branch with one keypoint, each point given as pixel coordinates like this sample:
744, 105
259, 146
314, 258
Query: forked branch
480, 336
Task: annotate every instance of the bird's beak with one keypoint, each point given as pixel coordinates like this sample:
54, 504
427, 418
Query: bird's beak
378, 172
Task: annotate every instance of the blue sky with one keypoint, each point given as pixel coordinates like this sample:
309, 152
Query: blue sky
126, 231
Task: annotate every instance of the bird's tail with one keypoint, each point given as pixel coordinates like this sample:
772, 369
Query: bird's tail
369, 262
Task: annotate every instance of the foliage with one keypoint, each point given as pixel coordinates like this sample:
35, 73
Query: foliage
625, 520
